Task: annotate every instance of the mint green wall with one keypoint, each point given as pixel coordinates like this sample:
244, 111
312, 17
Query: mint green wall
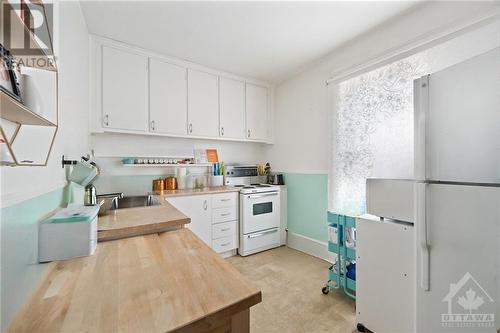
20, 271
128, 184
307, 204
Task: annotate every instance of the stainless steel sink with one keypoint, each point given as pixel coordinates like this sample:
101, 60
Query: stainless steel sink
134, 201
115, 201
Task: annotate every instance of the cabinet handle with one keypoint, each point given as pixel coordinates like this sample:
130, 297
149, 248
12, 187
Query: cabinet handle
225, 244
225, 229
225, 214
223, 200
205, 205
153, 125
190, 128
248, 133
106, 120
222, 131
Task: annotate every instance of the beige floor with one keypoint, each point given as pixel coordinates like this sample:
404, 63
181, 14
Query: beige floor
292, 301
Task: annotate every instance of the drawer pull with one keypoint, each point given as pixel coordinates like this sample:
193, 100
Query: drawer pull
225, 214
224, 200
225, 229
225, 244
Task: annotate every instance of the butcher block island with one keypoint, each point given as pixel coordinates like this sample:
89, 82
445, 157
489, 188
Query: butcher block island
157, 282
121, 223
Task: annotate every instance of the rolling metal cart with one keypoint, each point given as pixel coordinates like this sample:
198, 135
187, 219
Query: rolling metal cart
338, 278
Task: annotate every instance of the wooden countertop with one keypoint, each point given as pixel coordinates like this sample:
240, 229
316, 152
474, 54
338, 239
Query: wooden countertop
129, 222
155, 283
196, 191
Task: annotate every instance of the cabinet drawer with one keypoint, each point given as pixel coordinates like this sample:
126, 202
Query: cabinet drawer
224, 214
225, 200
225, 244
224, 229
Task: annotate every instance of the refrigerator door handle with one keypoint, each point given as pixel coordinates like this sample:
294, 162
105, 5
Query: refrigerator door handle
423, 235
421, 115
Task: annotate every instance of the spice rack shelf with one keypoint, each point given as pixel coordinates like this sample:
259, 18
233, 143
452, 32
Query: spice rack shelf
166, 165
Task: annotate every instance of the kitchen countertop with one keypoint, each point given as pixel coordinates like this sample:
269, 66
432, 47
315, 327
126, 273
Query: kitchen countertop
154, 283
129, 222
196, 191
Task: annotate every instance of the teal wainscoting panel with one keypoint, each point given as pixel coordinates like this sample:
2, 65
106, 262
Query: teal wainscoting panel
20, 271
307, 204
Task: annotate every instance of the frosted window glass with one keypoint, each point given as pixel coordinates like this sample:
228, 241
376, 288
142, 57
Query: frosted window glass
373, 123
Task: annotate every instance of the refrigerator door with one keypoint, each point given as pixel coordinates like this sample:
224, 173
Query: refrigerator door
385, 275
457, 122
457, 258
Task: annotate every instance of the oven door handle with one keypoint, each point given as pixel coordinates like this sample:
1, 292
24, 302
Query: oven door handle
252, 196
262, 233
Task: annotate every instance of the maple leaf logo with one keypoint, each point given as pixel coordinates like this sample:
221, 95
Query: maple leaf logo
470, 301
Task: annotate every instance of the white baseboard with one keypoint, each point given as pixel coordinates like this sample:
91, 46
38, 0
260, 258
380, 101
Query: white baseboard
310, 246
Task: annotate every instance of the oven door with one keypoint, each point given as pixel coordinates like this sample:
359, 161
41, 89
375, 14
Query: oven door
260, 211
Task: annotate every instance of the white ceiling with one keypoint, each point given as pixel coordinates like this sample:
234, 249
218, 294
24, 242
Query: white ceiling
265, 40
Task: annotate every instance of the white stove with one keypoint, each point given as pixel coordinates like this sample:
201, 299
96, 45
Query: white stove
259, 210
257, 188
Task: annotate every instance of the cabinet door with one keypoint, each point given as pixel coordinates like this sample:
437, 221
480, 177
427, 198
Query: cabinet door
124, 90
199, 209
203, 104
256, 112
231, 108
167, 98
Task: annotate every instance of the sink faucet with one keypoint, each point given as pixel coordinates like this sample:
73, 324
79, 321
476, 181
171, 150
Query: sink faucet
108, 200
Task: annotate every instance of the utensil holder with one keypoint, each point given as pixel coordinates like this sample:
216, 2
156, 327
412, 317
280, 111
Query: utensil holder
217, 180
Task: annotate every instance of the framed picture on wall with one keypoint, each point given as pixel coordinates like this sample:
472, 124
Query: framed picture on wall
9, 82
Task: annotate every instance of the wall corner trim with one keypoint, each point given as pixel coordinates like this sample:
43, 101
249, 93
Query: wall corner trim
310, 246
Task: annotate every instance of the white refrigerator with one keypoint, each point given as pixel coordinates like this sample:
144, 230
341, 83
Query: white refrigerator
457, 197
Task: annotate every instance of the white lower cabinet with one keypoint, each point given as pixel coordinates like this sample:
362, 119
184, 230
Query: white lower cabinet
225, 223
199, 209
225, 244
214, 219
225, 229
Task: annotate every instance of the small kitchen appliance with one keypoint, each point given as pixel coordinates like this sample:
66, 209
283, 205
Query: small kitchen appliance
90, 198
260, 223
275, 179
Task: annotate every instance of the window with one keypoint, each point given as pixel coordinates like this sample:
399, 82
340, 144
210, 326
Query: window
373, 122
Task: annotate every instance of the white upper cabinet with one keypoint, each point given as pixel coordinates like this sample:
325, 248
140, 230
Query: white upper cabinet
124, 90
256, 112
138, 91
203, 104
231, 108
167, 98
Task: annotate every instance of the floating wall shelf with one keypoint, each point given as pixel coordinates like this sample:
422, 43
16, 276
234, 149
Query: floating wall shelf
27, 137
16, 112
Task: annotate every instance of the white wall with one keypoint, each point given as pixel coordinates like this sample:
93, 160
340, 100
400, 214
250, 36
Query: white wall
301, 108
28, 194
72, 51
110, 148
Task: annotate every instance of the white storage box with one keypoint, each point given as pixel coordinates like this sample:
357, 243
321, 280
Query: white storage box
70, 233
